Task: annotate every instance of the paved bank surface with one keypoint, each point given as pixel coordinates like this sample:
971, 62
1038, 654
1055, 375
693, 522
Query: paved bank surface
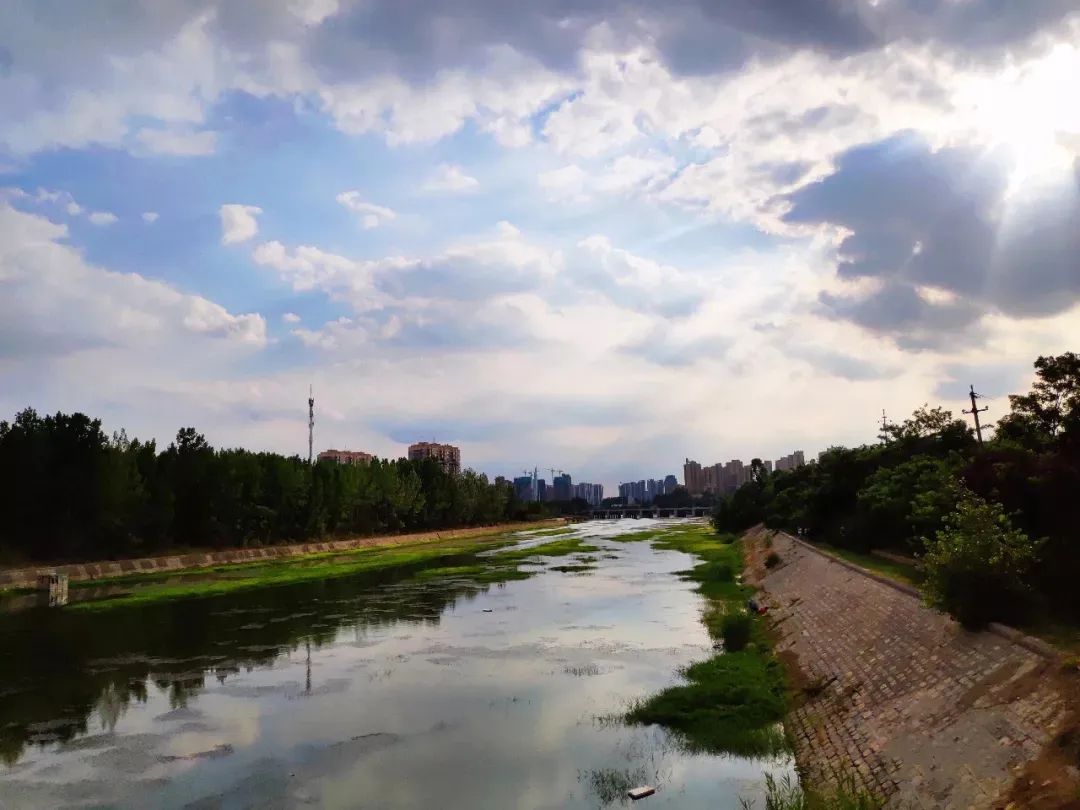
26, 577
897, 696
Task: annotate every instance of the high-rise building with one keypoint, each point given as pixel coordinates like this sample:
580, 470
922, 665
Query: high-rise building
448, 456
768, 466
541, 490
561, 485
523, 488
735, 474
695, 482
796, 459
346, 456
670, 483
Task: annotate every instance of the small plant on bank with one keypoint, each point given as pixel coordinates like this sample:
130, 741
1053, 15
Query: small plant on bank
788, 794
772, 560
735, 629
977, 566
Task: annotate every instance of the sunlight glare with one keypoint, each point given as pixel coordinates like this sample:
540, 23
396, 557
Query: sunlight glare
1033, 111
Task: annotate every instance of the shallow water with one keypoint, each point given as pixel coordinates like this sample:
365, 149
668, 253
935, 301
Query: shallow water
367, 691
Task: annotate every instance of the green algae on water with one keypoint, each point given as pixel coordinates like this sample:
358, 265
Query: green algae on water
733, 702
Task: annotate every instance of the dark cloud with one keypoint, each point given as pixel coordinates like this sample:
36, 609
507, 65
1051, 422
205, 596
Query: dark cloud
945, 220
417, 38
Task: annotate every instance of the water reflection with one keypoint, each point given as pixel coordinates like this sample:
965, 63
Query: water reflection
370, 690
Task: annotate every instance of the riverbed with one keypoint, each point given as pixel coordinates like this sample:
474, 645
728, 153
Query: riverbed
377, 691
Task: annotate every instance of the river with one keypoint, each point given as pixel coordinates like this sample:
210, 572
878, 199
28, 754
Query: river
368, 691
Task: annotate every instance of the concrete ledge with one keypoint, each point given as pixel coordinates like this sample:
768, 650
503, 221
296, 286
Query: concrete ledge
892, 583
1035, 645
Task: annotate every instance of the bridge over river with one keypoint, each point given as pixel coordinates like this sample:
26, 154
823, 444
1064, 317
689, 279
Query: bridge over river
617, 512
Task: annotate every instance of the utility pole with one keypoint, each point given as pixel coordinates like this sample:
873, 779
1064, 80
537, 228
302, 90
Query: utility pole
884, 420
975, 411
310, 426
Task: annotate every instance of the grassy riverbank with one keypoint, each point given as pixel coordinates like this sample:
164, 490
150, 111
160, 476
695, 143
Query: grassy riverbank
735, 701
459, 558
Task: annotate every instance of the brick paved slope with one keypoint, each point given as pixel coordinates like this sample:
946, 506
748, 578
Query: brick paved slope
912, 707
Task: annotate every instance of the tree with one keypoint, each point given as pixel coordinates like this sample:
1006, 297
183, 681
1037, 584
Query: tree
978, 566
1051, 409
897, 505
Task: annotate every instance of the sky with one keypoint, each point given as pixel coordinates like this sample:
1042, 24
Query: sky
588, 235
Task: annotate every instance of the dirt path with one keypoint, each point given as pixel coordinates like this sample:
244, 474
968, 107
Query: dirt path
903, 701
26, 577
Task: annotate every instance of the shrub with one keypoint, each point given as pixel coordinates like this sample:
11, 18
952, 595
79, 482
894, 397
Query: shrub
977, 565
735, 628
772, 560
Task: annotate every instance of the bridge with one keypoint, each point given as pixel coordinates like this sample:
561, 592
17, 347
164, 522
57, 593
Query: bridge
615, 512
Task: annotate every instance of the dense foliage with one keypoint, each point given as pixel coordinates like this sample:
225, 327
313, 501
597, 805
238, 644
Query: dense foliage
977, 560
905, 489
67, 491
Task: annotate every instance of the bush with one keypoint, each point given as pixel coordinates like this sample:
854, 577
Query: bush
772, 560
977, 566
735, 628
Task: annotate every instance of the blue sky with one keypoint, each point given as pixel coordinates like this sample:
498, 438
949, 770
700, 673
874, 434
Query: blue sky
602, 239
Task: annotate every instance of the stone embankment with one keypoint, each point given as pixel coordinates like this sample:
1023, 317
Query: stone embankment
898, 698
27, 577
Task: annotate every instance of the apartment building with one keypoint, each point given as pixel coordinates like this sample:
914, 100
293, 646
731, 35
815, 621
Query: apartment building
448, 456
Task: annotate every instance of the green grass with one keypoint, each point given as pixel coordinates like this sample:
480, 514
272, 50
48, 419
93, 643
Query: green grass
733, 702
549, 532
900, 572
223, 579
556, 548
788, 794
639, 537
572, 568
1063, 635
482, 574
282, 572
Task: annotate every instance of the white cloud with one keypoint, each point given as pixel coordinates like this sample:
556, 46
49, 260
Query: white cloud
184, 142
238, 222
290, 317
370, 214
150, 216
56, 303
567, 182
451, 178
102, 218
61, 200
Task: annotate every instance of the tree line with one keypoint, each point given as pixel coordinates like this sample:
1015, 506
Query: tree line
70, 492
995, 525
